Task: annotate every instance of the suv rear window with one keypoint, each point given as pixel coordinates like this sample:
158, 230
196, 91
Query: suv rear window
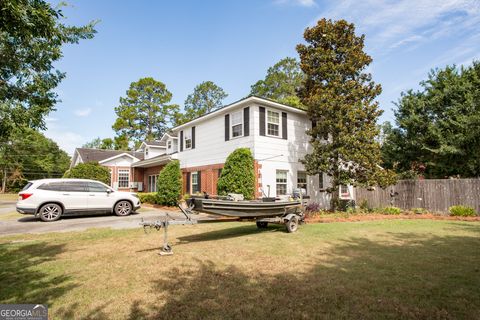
28, 185
52, 186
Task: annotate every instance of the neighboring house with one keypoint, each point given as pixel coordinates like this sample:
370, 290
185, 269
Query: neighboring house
274, 132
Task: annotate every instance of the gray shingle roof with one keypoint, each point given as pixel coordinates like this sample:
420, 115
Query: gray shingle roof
96, 155
155, 143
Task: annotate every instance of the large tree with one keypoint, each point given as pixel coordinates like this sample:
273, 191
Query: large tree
31, 40
281, 83
436, 134
30, 155
340, 97
145, 113
206, 97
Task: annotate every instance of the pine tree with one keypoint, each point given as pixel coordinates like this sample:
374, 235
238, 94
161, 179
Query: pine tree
340, 99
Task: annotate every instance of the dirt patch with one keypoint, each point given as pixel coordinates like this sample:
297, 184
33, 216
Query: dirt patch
371, 217
157, 206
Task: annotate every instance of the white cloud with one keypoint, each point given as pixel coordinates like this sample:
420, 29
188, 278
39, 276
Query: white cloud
391, 25
66, 140
82, 112
303, 3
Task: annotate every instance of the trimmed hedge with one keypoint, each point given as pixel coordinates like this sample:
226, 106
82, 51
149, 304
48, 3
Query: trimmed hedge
238, 174
169, 184
89, 170
149, 197
462, 211
391, 210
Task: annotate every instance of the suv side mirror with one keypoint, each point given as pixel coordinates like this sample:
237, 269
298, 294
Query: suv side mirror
109, 191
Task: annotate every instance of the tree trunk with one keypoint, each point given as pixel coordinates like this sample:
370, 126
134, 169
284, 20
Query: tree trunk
4, 180
335, 198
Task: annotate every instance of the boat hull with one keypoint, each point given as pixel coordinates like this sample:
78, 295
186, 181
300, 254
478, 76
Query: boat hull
245, 209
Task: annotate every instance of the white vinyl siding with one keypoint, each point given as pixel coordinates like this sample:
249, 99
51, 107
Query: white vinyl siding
123, 178
237, 124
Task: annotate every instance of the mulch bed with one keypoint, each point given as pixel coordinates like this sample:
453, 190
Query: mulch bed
157, 206
370, 217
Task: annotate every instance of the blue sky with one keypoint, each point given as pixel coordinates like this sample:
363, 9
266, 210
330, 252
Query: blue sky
232, 43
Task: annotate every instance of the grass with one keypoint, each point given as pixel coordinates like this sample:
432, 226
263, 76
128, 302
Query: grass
13, 215
8, 196
392, 269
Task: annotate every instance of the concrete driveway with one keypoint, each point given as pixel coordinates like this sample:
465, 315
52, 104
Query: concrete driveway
30, 224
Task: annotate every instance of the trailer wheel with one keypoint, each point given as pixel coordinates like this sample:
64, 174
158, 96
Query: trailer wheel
262, 224
292, 224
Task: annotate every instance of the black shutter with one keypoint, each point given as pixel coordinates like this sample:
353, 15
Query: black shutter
227, 127
199, 180
181, 140
188, 182
314, 124
284, 125
246, 121
193, 137
262, 121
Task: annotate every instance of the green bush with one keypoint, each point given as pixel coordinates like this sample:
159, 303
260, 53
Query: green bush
89, 170
238, 174
169, 184
419, 210
391, 210
150, 197
462, 211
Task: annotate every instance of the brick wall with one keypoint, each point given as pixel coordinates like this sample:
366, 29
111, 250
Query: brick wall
150, 172
209, 177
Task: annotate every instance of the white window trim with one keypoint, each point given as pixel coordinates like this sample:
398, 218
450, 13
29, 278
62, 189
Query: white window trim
152, 177
242, 125
279, 123
191, 181
306, 179
285, 183
169, 144
185, 139
118, 178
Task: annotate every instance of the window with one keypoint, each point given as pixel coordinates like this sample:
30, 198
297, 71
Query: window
74, 186
52, 186
96, 187
320, 181
281, 180
188, 139
195, 186
237, 124
169, 144
302, 180
146, 151
123, 178
344, 191
273, 121
152, 183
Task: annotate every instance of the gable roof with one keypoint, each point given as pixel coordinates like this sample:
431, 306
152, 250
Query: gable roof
97, 155
155, 143
249, 99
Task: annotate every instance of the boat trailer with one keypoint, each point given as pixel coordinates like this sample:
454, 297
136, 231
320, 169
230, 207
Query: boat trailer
291, 219
163, 224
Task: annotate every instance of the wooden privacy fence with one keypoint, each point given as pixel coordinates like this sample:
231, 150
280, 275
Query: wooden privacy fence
435, 195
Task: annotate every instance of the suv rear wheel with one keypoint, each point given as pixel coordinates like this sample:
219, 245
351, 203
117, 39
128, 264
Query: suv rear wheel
50, 212
123, 208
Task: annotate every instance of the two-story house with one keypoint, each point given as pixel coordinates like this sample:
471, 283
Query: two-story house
274, 132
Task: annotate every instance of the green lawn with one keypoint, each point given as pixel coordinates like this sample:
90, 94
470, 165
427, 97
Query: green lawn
396, 269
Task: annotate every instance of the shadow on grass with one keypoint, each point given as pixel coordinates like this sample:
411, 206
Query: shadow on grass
412, 276
24, 276
227, 233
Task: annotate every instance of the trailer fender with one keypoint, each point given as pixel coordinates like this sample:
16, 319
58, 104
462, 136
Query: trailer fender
288, 217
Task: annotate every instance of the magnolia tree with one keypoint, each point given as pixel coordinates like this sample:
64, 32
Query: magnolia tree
89, 170
340, 98
169, 184
238, 174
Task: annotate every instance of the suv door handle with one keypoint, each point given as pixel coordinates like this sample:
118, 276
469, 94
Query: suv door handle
65, 194
91, 195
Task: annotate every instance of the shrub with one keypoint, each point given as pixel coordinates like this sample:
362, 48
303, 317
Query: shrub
391, 210
419, 210
312, 207
89, 170
150, 197
462, 211
169, 184
238, 174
